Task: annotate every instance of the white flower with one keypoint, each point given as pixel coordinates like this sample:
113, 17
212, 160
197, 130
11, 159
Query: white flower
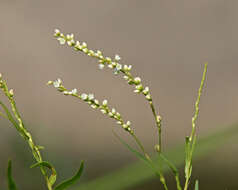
70, 36
101, 66
90, 96
117, 58
84, 96
118, 115
146, 90
126, 77
99, 54
158, 118
137, 80
48, 83
85, 50
127, 67
94, 106
70, 42
119, 122
110, 66
96, 101
118, 68
66, 93
104, 103
139, 87
57, 32
110, 114
11, 92
128, 123
108, 59
91, 53
84, 45
57, 83
148, 97
77, 45
74, 91
61, 40
103, 111
113, 111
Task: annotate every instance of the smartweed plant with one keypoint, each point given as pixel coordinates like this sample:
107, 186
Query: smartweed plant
16, 120
140, 88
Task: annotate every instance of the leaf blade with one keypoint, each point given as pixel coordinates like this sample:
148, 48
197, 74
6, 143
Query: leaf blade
11, 183
138, 173
67, 183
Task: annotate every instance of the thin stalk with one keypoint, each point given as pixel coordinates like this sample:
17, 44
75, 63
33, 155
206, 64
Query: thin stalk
21, 128
192, 138
157, 171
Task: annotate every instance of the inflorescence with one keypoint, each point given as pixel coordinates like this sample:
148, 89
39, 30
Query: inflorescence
103, 61
94, 103
117, 67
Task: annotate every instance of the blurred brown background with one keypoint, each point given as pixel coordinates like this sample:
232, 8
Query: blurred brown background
167, 43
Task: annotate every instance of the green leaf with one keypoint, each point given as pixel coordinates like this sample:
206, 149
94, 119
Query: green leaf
169, 163
67, 183
138, 173
138, 154
53, 176
196, 185
9, 115
11, 183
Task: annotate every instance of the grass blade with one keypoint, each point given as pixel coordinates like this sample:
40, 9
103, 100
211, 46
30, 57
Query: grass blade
11, 183
138, 154
53, 176
71, 181
138, 173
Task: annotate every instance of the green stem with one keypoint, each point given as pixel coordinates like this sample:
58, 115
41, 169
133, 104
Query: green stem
158, 125
22, 130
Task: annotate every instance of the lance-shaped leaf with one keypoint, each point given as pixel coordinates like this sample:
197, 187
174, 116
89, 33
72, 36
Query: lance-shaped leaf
138, 154
138, 173
53, 176
11, 183
67, 183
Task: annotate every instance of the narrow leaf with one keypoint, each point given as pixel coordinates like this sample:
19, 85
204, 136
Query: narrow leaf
138, 173
11, 183
169, 163
196, 185
53, 176
9, 115
138, 154
67, 183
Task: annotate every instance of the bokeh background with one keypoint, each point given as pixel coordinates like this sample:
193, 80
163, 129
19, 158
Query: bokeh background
167, 43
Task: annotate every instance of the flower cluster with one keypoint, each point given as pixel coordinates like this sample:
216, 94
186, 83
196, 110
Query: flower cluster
3, 86
94, 103
103, 60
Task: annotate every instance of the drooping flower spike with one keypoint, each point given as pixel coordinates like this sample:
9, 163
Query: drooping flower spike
94, 103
